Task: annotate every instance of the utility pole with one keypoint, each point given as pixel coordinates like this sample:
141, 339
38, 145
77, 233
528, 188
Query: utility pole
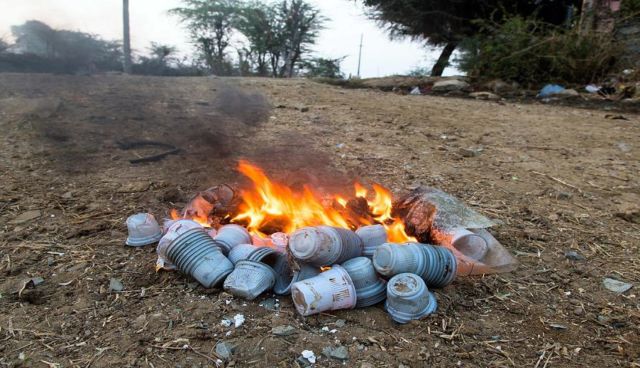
360, 54
126, 38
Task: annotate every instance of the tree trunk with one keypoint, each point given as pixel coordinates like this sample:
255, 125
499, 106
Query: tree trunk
443, 60
126, 39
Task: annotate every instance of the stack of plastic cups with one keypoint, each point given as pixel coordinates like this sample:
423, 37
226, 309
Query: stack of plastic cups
370, 289
196, 254
408, 298
330, 290
324, 245
436, 265
174, 230
372, 236
143, 230
441, 269
250, 279
231, 235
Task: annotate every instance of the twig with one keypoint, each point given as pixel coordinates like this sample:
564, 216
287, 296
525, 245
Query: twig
558, 181
190, 348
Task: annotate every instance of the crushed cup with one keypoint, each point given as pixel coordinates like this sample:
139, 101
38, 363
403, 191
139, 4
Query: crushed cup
250, 279
229, 236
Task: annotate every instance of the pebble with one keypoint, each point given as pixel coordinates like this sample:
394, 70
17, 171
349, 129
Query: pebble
340, 352
341, 323
615, 285
574, 256
578, 311
224, 349
284, 330
115, 285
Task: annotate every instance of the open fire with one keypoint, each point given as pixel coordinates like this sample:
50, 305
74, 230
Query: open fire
268, 207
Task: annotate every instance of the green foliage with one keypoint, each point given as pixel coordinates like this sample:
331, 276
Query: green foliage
630, 8
323, 68
534, 53
211, 24
419, 71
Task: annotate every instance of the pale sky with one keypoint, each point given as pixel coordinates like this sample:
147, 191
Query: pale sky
150, 22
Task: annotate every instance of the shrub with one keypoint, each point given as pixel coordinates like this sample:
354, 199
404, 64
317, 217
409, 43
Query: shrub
534, 53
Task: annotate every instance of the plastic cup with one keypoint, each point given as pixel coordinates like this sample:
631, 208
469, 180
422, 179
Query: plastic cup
241, 252
330, 290
174, 228
372, 236
324, 245
194, 253
143, 230
370, 289
408, 298
390, 259
231, 235
284, 275
250, 279
470, 244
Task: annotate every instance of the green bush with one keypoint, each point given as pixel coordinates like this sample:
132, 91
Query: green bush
534, 53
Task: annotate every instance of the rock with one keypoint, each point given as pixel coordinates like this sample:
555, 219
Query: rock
500, 87
578, 311
340, 352
139, 322
484, 96
26, 217
341, 323
564, 195
284, 330
115, 285
366, 365
35, 281
449, 85
616, 286
225, 350
270, 304
469, 152
574, 256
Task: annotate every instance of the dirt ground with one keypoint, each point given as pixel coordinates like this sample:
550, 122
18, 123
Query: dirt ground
559, 179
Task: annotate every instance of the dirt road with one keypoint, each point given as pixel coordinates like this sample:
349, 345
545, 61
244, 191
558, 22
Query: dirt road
559, 179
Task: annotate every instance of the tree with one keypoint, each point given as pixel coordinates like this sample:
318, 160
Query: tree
324, 67
448, 22
126, 38
211, 24
259, 23
301, 25
3, 45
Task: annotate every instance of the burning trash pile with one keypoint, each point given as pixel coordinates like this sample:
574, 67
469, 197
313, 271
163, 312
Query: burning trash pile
327, 252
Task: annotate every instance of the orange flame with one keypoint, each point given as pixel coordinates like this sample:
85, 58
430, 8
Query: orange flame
271, 202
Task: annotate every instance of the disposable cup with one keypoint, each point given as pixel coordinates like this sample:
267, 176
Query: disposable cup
143, 230
370, 289
330, 290
250, 279
372, 236
408, 298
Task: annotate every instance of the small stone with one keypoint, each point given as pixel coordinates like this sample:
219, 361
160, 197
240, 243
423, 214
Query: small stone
26, 217
616, 286
449, 85
115, 285
564, 195
578, 311
139, 322
366, 365
574, 256
36, 281
340, 352
469, 152
309, 356
269, 303
134, 187
341, 323
484, 96
558, 326
359, 139
284, 330
225, 350
50, 261
67, 195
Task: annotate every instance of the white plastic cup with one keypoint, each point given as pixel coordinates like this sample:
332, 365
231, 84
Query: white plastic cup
143, 230
470, 244
241, 252
250, 279
370, 289
175, 229
231, 235
408, 298
330, 290
324, 245
372, 236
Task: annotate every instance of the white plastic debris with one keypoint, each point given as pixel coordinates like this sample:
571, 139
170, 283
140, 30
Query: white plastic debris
238, 319
226, 322
309, 355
